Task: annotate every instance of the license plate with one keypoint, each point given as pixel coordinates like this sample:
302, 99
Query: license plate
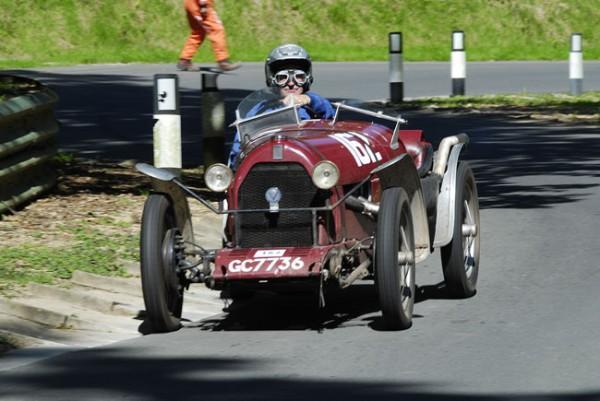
265, 264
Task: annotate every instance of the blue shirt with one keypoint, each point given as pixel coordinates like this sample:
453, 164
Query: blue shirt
320, 106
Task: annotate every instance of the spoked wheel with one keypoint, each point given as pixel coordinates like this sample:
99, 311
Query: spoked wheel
160, 247
460, 258
395, 259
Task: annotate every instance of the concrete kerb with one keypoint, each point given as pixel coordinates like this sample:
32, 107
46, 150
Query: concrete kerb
20, 340
29, 350
98, 303
89, 299
44, 316
110, 284
89, 307
92, 310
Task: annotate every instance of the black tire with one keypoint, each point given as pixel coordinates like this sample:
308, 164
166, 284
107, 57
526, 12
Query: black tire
460, 258
161, 285
395, 278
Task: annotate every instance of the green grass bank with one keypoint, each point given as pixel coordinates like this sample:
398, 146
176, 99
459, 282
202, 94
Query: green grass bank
35, 33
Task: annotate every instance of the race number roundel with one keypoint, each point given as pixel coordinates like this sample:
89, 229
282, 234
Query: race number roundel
359, 147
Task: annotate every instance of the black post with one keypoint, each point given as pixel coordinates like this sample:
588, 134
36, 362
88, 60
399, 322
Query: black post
213, 121
458, 71
396, 67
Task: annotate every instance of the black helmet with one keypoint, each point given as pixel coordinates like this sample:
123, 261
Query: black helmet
288, 57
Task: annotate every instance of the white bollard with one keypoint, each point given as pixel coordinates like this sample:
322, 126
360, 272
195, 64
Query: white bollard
167, 129
458, 68
396, 67
576, 64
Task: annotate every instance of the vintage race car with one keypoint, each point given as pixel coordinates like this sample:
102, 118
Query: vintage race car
315, 202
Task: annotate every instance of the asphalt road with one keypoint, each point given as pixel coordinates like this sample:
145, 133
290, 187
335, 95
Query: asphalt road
530, 333
106, 110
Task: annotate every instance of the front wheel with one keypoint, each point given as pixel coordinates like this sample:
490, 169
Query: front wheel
162, 285
395, 259
460, 258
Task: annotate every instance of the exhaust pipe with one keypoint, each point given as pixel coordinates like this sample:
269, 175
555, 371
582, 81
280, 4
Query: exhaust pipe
362, 205
441, 159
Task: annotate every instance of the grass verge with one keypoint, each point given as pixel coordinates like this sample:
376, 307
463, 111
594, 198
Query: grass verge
83, 247
76, 32
585, 107
584, 103
89, 222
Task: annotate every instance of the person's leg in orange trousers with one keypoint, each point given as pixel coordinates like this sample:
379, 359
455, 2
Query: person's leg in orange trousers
209, 26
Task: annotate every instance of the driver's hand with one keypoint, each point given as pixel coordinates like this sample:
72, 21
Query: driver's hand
292, 98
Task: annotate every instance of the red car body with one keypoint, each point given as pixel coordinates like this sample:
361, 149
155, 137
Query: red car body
316, 202
356, 148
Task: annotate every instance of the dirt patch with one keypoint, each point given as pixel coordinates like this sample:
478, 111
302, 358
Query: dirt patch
90, 221
87, 191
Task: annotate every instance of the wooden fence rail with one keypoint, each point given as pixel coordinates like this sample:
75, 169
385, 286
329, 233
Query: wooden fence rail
28, 131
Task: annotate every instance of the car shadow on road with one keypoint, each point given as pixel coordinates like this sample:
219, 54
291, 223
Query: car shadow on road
434, 291
355, 306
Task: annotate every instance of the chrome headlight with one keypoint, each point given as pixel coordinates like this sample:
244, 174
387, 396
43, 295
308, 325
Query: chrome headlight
325, 175
218, 177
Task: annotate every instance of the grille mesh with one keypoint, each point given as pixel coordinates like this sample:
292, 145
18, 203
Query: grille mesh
277, 229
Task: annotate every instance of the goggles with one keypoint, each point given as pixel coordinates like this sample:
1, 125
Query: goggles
281, 78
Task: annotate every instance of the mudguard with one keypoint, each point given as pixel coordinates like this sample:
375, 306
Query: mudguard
446, 200
181, 207
401, 172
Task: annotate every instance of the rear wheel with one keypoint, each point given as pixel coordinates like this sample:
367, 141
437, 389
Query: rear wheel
159, 246
395, 259
460, 258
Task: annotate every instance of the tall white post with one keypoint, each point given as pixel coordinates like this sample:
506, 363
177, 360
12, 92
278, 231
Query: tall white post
576, 64
458, 68
167, 129
396, 67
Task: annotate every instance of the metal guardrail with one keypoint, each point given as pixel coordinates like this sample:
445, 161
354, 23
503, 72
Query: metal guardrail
28, 131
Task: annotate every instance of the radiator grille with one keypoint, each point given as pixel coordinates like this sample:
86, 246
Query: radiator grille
277, 229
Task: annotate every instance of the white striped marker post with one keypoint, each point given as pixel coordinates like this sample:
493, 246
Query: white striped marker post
167, 129
576, 64
396, 67
458, 69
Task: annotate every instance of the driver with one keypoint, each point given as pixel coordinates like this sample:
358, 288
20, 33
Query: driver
289, 68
